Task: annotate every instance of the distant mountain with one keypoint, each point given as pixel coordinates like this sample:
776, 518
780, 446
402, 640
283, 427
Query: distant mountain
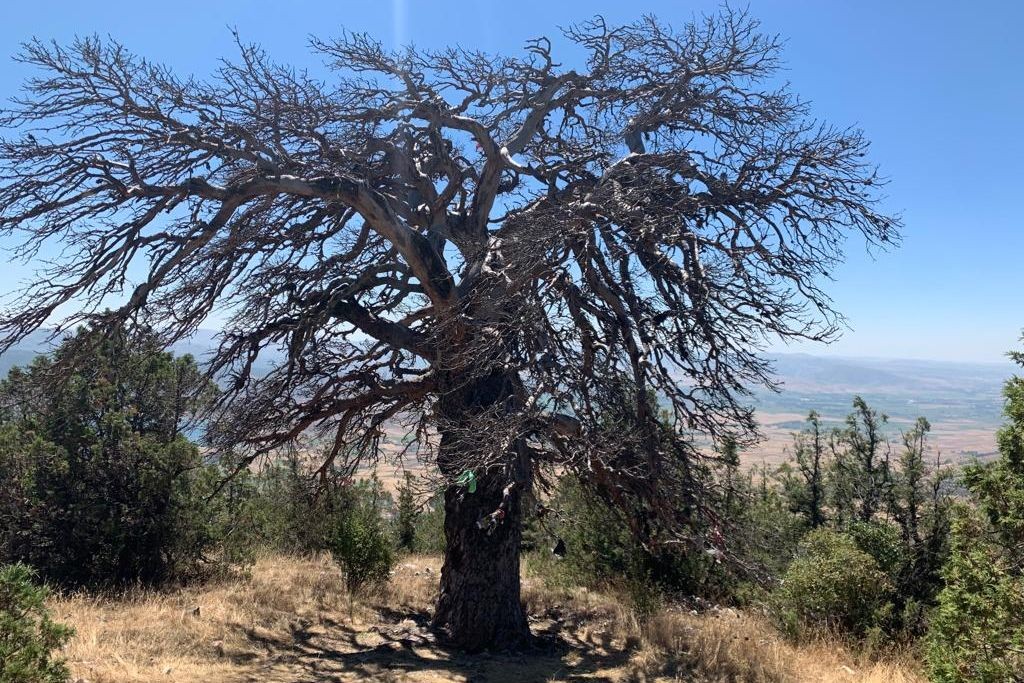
22, 354
801, 375
808, 373
199, 345
963, 401
968, 393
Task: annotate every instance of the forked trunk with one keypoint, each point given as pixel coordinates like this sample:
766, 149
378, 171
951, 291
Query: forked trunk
479, 605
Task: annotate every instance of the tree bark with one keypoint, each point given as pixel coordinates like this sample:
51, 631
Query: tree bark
479, 604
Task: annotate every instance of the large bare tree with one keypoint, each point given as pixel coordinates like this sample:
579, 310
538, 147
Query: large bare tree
528, 265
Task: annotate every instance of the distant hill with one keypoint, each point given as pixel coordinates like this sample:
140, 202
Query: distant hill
806, 372
902, 388
23, 353
962, 400
39, 342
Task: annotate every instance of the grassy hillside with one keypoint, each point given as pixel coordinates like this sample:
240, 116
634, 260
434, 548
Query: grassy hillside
291, 620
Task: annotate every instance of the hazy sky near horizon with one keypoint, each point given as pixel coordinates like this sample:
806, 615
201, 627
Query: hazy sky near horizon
936, 86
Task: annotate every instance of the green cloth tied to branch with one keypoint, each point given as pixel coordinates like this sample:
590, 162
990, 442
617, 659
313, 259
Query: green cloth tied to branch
467, 480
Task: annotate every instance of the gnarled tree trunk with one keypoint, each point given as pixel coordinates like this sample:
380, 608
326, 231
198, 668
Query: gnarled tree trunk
479, 605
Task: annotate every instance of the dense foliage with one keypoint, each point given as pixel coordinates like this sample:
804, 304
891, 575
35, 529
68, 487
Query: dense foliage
100, 484
599, 548
359, 541
831, 584
894, 505
977, 633
406, 515
28, 636
287, 507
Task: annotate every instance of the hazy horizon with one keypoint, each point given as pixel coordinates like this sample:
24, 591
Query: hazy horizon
821, 351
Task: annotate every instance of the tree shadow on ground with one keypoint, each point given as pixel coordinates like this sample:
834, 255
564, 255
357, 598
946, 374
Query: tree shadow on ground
400, 646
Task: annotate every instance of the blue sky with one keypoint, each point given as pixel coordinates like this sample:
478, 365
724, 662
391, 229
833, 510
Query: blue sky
936, 86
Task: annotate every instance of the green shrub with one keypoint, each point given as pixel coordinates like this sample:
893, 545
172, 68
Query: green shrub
599, 549
912, 594
28, 636
359, 541
831, 584
296, 513
884, 543
233, 521
284, 508
99, 480
406, 516
601, 552
976, 634
429, 531
418, 527
762, 537
977, 631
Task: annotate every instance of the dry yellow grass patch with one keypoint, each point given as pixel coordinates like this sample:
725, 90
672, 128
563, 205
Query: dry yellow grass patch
728, 645
235, 629
291, 619
208, 632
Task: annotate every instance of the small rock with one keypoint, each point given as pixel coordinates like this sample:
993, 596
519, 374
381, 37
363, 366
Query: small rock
167, 671
847, 670
218, 647
194, 612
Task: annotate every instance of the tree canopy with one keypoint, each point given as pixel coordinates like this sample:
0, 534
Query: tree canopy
99, 485
503, 251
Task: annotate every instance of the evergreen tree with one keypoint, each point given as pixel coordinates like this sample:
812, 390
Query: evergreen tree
358, 540
405, 524
729, 455
908, 487
920, 504
99, 478
807, 492
977, 633
860, 469
29, 638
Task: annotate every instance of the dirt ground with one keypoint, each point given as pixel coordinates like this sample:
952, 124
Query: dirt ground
290, 620
402, 649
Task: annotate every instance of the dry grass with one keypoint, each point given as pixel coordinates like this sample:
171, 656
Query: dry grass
141, 634
213, 631
291, 619
726, 645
